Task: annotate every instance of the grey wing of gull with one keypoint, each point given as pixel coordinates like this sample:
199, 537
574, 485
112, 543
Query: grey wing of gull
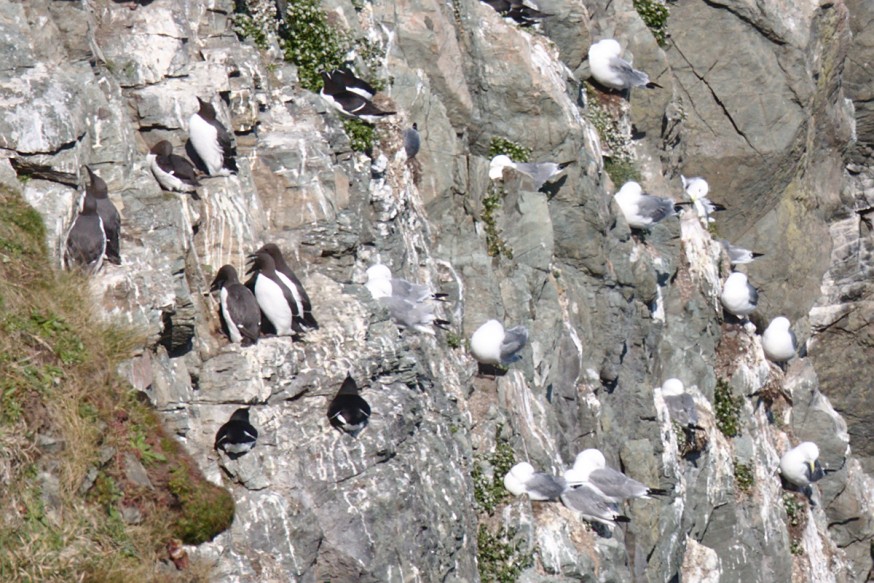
545, 486
590, 503
737, 255
817, 473
655, 208
540, 172
630, 76
754, 295
794, 339
616, 484
413, 292
514, 341
682, 409
407, 314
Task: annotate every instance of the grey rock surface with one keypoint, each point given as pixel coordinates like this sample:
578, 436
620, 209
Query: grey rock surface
769, 102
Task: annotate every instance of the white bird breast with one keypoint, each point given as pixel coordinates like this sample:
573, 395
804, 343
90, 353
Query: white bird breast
273, 303
233, 329
204, 138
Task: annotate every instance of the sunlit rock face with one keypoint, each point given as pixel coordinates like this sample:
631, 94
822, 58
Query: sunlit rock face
769, 102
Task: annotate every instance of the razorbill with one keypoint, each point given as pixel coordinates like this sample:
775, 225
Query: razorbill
642, 211
348, 410
611, 70
522, 479
211, 141
108, 214
350, 103
275, 299
779, 341
591, 468
349, 82
738, 297
241, 315
237, 436
86, 240
493, 345
412, 141
172, 172
540, 172
303, 313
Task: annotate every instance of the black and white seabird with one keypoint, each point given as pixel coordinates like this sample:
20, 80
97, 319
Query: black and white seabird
275, 299
241, 315
348, 102
172, 172
237, 436
303, 315
800, 467
518, 11
412, 141
108, 214
351, 83
211, 141
348, 410
86, 241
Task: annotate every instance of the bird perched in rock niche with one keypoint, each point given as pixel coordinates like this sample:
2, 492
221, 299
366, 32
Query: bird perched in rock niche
407, 302
539, 172
522, 479
591, 468
302, 317
240, 312
738, 297
800, 468
778, 341
642, 211
412, 141
276, 300
211, 141
494, 346
237, 436
348, 410
612, 71
86, 241
172, 172
697, 189
98, 190
350, 96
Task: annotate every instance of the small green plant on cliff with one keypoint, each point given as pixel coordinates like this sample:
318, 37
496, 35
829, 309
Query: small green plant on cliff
495, 244
361, 135
744, 476
794, 510
504, 146
615, 141
654, 14
488, 489
255, 20
311, 43
501, 555
727, 408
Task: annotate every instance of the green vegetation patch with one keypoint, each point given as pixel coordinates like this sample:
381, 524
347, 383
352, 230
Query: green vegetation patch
495, 244
311, 43
744, 476
517, 153
361, 135
501, 555
654, 14
488, 487
727, 408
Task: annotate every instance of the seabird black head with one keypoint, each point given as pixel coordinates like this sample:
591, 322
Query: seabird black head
97, 188
227, 275
271, 249
261, 261
89, 206
241, 414
415, 126
206, 111
162, 148
349, 386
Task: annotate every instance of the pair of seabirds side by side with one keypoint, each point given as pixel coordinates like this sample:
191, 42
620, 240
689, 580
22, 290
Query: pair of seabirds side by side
539, 172
408, 304
211, 141
95, 233
350, 95
273, 293
522, 14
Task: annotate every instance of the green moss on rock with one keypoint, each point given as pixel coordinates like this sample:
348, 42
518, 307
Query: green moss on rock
204, 511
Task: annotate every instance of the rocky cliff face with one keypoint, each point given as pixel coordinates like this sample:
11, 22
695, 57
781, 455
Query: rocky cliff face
769, 101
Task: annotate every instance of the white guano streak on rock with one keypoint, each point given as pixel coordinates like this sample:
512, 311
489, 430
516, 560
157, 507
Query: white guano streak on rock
819, 568
702, 253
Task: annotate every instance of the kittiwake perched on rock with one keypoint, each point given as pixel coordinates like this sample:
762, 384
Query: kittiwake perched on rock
348, 102
406, 302
211, 140
589, 502
86, 241
173, 173
237, 436
275, 299
738, 255
380, 284
738, 297
108, 214
642, 211
540, 172
613, 72
303, 312
681, 405
412, 141
522, 479
492, 345
779, 341
240, 312
590, 468
800, 467
348, 410
697, 189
